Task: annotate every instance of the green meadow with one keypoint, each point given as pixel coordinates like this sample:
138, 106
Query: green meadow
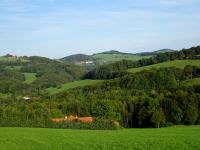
29, 77
72, 85
172, 138
191, 82
118, 57
176, 63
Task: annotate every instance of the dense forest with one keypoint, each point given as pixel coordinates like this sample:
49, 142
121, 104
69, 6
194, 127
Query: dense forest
150, 98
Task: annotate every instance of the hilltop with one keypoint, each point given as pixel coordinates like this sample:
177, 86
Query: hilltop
108, 57
156, 52
78, 59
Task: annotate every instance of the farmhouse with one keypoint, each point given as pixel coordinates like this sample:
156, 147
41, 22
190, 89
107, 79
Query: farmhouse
72, 118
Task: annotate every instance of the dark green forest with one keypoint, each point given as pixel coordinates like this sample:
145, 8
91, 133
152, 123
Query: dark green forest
151, 98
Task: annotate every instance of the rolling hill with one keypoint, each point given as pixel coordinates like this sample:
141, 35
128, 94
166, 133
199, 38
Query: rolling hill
155, 52
49, 72
119, 98
191, 82
109, 57
78, 59
100, 58
175, 63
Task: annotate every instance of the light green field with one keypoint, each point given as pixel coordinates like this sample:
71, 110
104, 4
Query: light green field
72, 85
117, 57
173, 138
176, 63
29, 77
191, 82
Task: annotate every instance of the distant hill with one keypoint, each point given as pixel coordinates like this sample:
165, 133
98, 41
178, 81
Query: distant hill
116, 69
155, 52
175, 63
164, 51
114, 56
78, 59
109, 57
39, 71
115, 52
101, 58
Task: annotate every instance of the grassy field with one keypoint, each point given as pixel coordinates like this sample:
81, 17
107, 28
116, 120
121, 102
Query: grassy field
30, 77
72, 85
191, 82
176, 63
173, 138
117, 57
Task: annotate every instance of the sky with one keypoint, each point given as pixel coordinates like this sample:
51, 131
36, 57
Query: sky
57, 28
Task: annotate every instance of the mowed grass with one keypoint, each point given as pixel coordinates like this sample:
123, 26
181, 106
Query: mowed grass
191, 82
173, 138
29, 77
176, 63
118, 57
72, 85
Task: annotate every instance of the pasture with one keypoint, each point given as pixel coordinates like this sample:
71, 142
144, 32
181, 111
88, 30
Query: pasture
172, 138
175, 63
118, 57
72, 85
191, 82
29, 77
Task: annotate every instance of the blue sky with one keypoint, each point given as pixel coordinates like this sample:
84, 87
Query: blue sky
56, 28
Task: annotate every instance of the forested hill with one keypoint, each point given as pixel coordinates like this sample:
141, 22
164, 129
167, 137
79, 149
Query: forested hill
163, 94
153, 98
119, 68
155, 52
77, 59
33, 73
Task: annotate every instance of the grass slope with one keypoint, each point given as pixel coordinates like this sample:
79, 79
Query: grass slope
176, 63
117, 57
191, 82
173, 138
29, 77
72, 85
